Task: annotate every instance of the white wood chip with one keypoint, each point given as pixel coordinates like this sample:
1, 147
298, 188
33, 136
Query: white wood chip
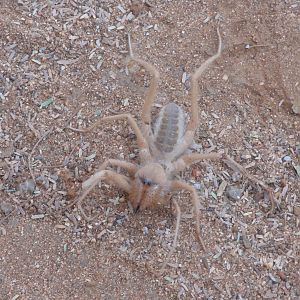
35, 217
222, 188
184, 77
67, 61
206, 20
90, 157
84, 16
121, 8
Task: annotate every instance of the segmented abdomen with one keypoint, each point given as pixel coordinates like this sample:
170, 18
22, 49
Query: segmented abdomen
169, 128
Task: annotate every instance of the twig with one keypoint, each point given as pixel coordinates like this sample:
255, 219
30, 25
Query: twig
33, 149
129, 45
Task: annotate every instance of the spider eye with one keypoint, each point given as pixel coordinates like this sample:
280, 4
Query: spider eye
146, 181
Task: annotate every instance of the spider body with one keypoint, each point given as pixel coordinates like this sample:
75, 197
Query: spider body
168, 132
151, 186
162, 146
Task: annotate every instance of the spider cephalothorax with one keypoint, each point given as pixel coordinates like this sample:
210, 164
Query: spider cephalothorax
162, 146
150, 187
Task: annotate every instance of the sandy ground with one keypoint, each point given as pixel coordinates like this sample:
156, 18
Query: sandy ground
63, 63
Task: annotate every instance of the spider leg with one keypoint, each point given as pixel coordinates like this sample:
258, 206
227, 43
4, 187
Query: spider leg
108, 176
129, 167
236, 166
186, 160
178, 219
177, 185
142, 143
194, 121
193, 124
111, 177
151, 91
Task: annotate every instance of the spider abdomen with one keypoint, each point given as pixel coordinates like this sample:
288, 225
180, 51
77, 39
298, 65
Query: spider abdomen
169, 128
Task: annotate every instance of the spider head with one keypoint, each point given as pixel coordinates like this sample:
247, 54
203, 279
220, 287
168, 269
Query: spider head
149, 187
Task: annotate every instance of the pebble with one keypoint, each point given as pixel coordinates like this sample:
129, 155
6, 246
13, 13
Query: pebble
236, 176
225, 77
234, 192
132, 155
286, 158
197, 186
145, 230
6, 207
296, 210
27, 187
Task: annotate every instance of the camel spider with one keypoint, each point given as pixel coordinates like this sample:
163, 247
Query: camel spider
162, 146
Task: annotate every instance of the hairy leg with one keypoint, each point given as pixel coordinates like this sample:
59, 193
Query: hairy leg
151, 91
236, 166
142, 143
120, 181
186, 160
177, 185
194, 121
193, 124
178, 218
129, 167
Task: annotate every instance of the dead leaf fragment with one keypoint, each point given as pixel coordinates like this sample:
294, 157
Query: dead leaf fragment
137, 7
7, 151
296, 106
67, 61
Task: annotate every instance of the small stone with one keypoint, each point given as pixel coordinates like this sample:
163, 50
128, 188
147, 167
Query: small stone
6, 207
225, 77
27, 187
236, 176
132, 155
296, 211
197, 186
234, 192
286, 158
145, 230
125, 102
